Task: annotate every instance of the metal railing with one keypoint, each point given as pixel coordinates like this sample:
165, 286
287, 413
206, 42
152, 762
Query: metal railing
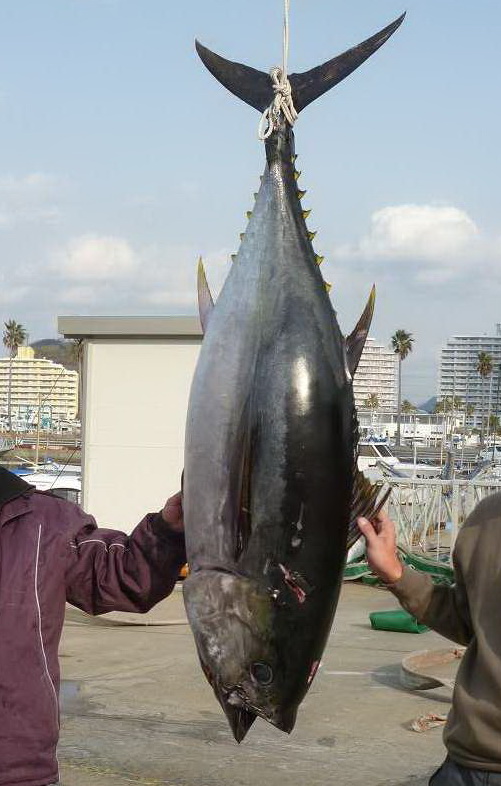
428, 513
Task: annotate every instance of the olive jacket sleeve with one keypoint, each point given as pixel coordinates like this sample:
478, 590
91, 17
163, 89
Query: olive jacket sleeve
444, 609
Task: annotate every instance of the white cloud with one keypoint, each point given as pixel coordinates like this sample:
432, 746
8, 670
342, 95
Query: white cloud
149, 279
170, 275
12, 294
428, 243
170, 297
96, 257
77, 295
29, 199
431, 232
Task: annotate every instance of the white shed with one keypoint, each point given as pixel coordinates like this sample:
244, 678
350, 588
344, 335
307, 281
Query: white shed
136, 377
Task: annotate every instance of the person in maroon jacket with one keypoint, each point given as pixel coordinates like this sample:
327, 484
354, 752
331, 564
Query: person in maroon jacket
51, 553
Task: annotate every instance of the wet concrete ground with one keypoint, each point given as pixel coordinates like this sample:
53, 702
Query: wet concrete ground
137, 708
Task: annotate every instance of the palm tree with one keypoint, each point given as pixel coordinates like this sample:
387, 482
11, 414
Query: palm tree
407, 407
14, 335
401, 344
449, 404
372, 401
468, 410
484, 368
494, 423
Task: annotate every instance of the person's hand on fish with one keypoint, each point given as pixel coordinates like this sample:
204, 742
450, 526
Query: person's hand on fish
172, 512
381, 547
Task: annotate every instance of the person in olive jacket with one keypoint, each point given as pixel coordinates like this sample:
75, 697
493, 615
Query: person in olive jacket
51, 553
467, 613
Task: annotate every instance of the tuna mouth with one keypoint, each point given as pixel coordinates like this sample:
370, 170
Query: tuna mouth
239, 715
240, 720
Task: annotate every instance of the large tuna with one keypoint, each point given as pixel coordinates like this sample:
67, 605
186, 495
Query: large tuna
271, 488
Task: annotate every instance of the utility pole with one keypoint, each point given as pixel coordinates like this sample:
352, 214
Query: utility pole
497, 410
37, 449
40, 402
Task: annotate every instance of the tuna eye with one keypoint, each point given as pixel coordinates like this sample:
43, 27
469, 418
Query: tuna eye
262, 673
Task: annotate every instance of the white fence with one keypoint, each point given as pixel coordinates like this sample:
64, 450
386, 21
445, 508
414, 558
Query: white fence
429, 513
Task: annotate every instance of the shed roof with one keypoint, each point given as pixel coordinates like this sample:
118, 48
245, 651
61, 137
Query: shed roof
130, 327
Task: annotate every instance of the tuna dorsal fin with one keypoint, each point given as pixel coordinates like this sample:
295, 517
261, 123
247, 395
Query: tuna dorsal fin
205, 301
255, 87
356, 340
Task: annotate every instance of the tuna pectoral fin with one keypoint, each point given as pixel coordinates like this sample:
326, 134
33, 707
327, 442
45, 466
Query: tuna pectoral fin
243, 522
239, 718
205, 301
255, 87
356, 341
368, 499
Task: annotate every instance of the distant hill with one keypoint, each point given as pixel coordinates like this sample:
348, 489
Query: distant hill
429, 406
48, 342
58, 350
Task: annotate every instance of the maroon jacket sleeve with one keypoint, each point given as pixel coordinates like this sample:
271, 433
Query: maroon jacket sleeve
111, 571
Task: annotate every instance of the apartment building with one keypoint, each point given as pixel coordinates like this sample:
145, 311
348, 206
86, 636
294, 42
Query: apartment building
38, 383
458, 375
377, 373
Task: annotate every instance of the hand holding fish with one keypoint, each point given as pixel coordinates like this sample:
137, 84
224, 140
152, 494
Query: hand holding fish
381, 547
172, 513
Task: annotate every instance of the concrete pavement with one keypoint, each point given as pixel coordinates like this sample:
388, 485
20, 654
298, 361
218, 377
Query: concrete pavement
137, 708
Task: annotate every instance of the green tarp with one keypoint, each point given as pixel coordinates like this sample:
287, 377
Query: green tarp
441, 572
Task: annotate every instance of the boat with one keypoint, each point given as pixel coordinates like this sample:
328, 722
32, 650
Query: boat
492, 454
64, 481
6, 445
376, 455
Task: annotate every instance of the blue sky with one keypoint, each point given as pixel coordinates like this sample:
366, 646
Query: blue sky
122, 159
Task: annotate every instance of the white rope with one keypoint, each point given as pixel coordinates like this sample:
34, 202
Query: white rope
282, 102
285, 50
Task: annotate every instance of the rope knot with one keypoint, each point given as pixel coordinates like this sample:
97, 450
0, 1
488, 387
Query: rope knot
282, 103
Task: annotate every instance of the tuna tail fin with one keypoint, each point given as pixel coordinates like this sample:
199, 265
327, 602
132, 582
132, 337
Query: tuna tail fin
252, 86
356, 341
312, 84
255, 87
